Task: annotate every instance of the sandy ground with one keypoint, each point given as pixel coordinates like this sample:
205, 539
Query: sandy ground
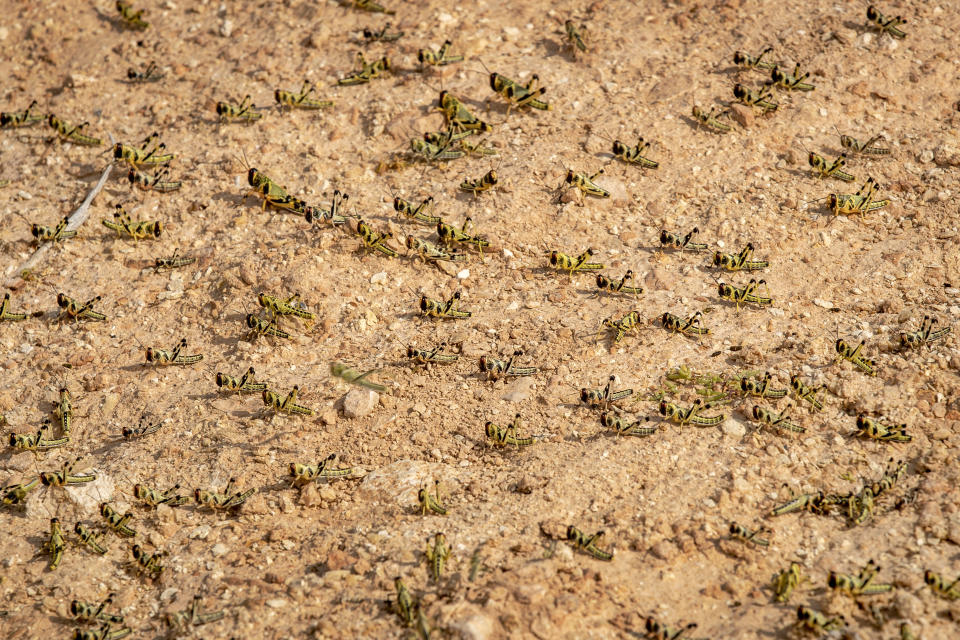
320, 561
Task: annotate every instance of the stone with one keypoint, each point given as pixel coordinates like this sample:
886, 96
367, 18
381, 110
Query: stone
734, 428
359, 402
742, 115
396, 483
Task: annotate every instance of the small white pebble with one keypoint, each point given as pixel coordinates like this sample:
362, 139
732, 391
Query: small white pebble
463, 275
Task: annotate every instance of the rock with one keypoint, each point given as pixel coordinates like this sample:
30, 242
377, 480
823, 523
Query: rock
947, 154
908, 605
665, 550
89, 495
397, 482
276, 603
359, 402
474, 627
378, 277
219, 550
226, 28
742, 115
734, 428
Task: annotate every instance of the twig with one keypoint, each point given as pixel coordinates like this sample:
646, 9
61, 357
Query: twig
77, 218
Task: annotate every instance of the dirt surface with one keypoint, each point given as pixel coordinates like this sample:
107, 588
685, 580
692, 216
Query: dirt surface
319, 561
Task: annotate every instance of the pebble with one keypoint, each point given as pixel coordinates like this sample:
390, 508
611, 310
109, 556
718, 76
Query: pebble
377, 278
397, 482
89, 495
219, 549
276, 603
226, 28
742, 115
463, 275
734, 428
359, 402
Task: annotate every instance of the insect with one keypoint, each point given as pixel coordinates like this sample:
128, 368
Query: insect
342, 371
263, 327
457, 116
812, 502
66, 133
520, 95
585, 184
569, 264
53, 234
149, 153
148, 563
782, 421
882, 432
845, 352
154, 498
803, 392
859, 585
55, 544
418, 213
36, 442
925, 336
905, 632
150, 74
603, 398
742, 59
659, 631
435, 355
174, 262
746, 295
429, 252
116, 522
941, 586
16, 494
711, 119
367, 71
504, 436
289, 307
245, 383
229, 499
575, 35
369, 5
588, 544
740, 532
245, 111
130, 18
761, 388
812, 620
431, 503
75, 310
429, 151
623, 326
306, 473
822, 169
692, 415
192, 616
138, 230
286, 404
65, 476
382, 35
617, 286
93, 541
793, 82
625, 428
739, 261
786, 581
448, 309
90, 612
173, 356
749, 97
137, 432
495, 368
635, 154
438, 58
449, 234
886, 24
301, 99
12, 119
863, 148
374, 240
156, 182
860, 202
668, 239
270, 191
404, 604
437, 555
331, 215
479, 185
692, 326
104, 632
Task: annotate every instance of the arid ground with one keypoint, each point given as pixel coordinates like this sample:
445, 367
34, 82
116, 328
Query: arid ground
319, 561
